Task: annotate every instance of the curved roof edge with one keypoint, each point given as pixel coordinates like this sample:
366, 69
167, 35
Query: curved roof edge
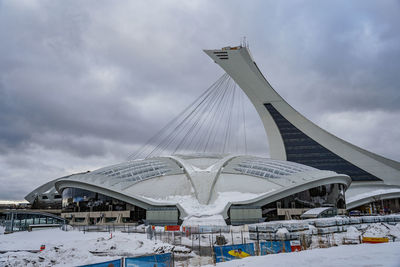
137, 200
360, 194
287, 191
372, 198
45, 187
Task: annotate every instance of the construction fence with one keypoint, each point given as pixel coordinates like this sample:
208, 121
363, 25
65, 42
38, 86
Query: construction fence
159, 260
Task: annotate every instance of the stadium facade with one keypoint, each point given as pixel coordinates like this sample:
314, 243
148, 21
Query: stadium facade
309, 168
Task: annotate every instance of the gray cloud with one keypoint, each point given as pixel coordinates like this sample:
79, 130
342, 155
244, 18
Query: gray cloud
84, 84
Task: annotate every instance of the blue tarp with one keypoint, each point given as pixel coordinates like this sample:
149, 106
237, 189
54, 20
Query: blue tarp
159, 260
114, 263
273, 247
228, 253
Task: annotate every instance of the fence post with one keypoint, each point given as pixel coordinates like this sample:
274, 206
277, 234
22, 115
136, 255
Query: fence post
214, 257
209, 239
199, 245
257, 247
258, 237
191, 235
271, 246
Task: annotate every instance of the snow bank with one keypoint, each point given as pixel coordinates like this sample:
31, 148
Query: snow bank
74, 248
382, 230
355, 255
352, 233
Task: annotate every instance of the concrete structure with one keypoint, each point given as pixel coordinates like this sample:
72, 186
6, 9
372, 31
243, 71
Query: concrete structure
219, 189
294, 138
224, 188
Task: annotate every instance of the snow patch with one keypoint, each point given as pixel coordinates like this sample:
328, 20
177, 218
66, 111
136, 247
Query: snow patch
215, 220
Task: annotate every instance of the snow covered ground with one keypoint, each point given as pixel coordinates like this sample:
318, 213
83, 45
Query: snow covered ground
372, 255
73, 247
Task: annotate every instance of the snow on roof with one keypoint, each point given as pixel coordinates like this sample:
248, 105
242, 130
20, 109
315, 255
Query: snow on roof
372, 193
265, 168
316, 211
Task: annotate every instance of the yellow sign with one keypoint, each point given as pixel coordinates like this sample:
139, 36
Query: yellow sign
375, 239
238, 253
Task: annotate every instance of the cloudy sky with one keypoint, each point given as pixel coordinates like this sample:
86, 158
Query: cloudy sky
85, 83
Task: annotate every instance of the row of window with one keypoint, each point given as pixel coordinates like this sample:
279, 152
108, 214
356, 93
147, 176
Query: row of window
256, 172
126, 166
44, 197
136, 171
145, 176
267, 169
271, 164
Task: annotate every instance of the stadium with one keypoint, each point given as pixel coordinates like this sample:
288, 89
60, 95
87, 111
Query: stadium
197, 188
309, 168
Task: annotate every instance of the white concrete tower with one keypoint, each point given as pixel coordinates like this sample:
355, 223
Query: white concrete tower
294, 138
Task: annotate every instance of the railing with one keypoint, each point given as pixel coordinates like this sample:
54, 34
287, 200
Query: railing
126, 228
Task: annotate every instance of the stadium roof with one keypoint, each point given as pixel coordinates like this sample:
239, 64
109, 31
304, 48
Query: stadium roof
201, 185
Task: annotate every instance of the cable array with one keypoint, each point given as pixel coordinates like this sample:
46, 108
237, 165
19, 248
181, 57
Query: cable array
213, 123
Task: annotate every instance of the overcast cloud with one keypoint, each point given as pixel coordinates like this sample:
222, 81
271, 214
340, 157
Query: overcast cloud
85, 83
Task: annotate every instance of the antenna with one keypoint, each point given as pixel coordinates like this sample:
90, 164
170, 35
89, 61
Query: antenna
244, 42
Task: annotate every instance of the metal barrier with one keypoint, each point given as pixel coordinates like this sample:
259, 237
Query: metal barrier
113, 263
232, 252
159, 260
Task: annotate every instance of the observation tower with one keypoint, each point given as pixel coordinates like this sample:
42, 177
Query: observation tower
293, 137
309, 167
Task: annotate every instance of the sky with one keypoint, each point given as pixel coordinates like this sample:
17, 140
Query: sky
84, 84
